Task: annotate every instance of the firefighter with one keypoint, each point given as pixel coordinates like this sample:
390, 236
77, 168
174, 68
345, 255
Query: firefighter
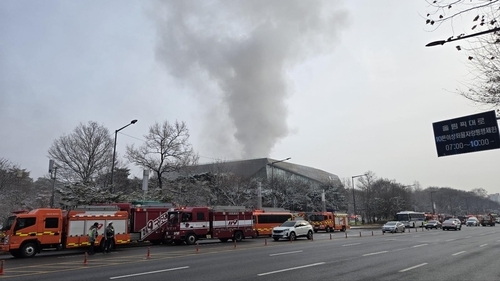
109, 235
92, 237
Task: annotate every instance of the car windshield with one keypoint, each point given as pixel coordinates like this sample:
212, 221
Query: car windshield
391, 223
288, 223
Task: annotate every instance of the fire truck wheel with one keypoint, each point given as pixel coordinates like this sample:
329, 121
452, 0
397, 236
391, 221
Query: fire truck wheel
191, 239
28, 250
238, 236
292, 236
309, 235
328, 229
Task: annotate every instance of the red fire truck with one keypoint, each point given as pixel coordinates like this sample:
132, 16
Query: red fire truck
189, 224
147, 220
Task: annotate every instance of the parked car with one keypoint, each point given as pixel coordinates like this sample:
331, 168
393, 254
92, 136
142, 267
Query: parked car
433, 224
290, 230
472, 221
452, 224
393, 227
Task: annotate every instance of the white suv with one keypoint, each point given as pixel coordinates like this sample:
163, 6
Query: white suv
290, 230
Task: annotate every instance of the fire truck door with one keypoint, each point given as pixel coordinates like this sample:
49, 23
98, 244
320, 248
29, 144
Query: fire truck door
50, 230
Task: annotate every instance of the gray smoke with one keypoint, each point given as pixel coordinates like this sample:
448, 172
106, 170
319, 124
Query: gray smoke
244, 48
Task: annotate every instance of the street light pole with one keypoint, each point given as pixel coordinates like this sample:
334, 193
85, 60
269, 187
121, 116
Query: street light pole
354, 197
442, 42
114, 152
272, 178
432, 201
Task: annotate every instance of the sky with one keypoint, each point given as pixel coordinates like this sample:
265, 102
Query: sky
342, 86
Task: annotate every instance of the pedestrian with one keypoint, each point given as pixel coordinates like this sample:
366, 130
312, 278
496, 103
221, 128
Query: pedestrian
109, 235
92, 237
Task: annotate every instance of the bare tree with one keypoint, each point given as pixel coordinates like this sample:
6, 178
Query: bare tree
84, 154
482, 51
166, 150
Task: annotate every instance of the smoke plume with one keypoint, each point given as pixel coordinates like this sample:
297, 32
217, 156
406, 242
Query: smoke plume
244, 48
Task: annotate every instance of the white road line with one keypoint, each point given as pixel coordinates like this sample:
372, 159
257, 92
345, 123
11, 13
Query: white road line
291, 268
482, 245
449, 240
148, 272
345, 245
400, 249
455, 254
285, 253
468, 237
413, 267
376, 253
416, 246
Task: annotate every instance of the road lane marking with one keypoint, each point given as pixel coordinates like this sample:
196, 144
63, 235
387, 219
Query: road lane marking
482, 245
449, 240
345, 245
285, 253
148, 272
416, 246
376, 253
289, 269
413, 267
455, 254
468, 237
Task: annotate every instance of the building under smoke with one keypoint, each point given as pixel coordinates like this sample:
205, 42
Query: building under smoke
265, 169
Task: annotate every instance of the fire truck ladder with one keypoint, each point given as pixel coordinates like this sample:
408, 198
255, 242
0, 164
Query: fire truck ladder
153, 225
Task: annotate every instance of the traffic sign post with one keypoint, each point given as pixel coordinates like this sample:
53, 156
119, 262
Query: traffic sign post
466, 134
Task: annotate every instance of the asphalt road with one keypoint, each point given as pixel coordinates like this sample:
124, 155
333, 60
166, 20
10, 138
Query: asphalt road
470, 254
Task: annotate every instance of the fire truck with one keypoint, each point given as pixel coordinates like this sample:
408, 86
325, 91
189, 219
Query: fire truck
189, 224
328, 221
146, 220
27, 233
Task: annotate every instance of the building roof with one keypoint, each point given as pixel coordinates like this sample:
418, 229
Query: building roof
251, 167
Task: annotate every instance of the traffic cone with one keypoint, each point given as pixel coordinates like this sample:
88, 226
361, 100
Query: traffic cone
265, 241
197, 247
330, 236
147, 256
234, 242
1, 268
85, 259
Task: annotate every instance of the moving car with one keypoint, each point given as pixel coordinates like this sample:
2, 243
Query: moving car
472, 221
433, 224
452, 224
393, 227
290, 230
